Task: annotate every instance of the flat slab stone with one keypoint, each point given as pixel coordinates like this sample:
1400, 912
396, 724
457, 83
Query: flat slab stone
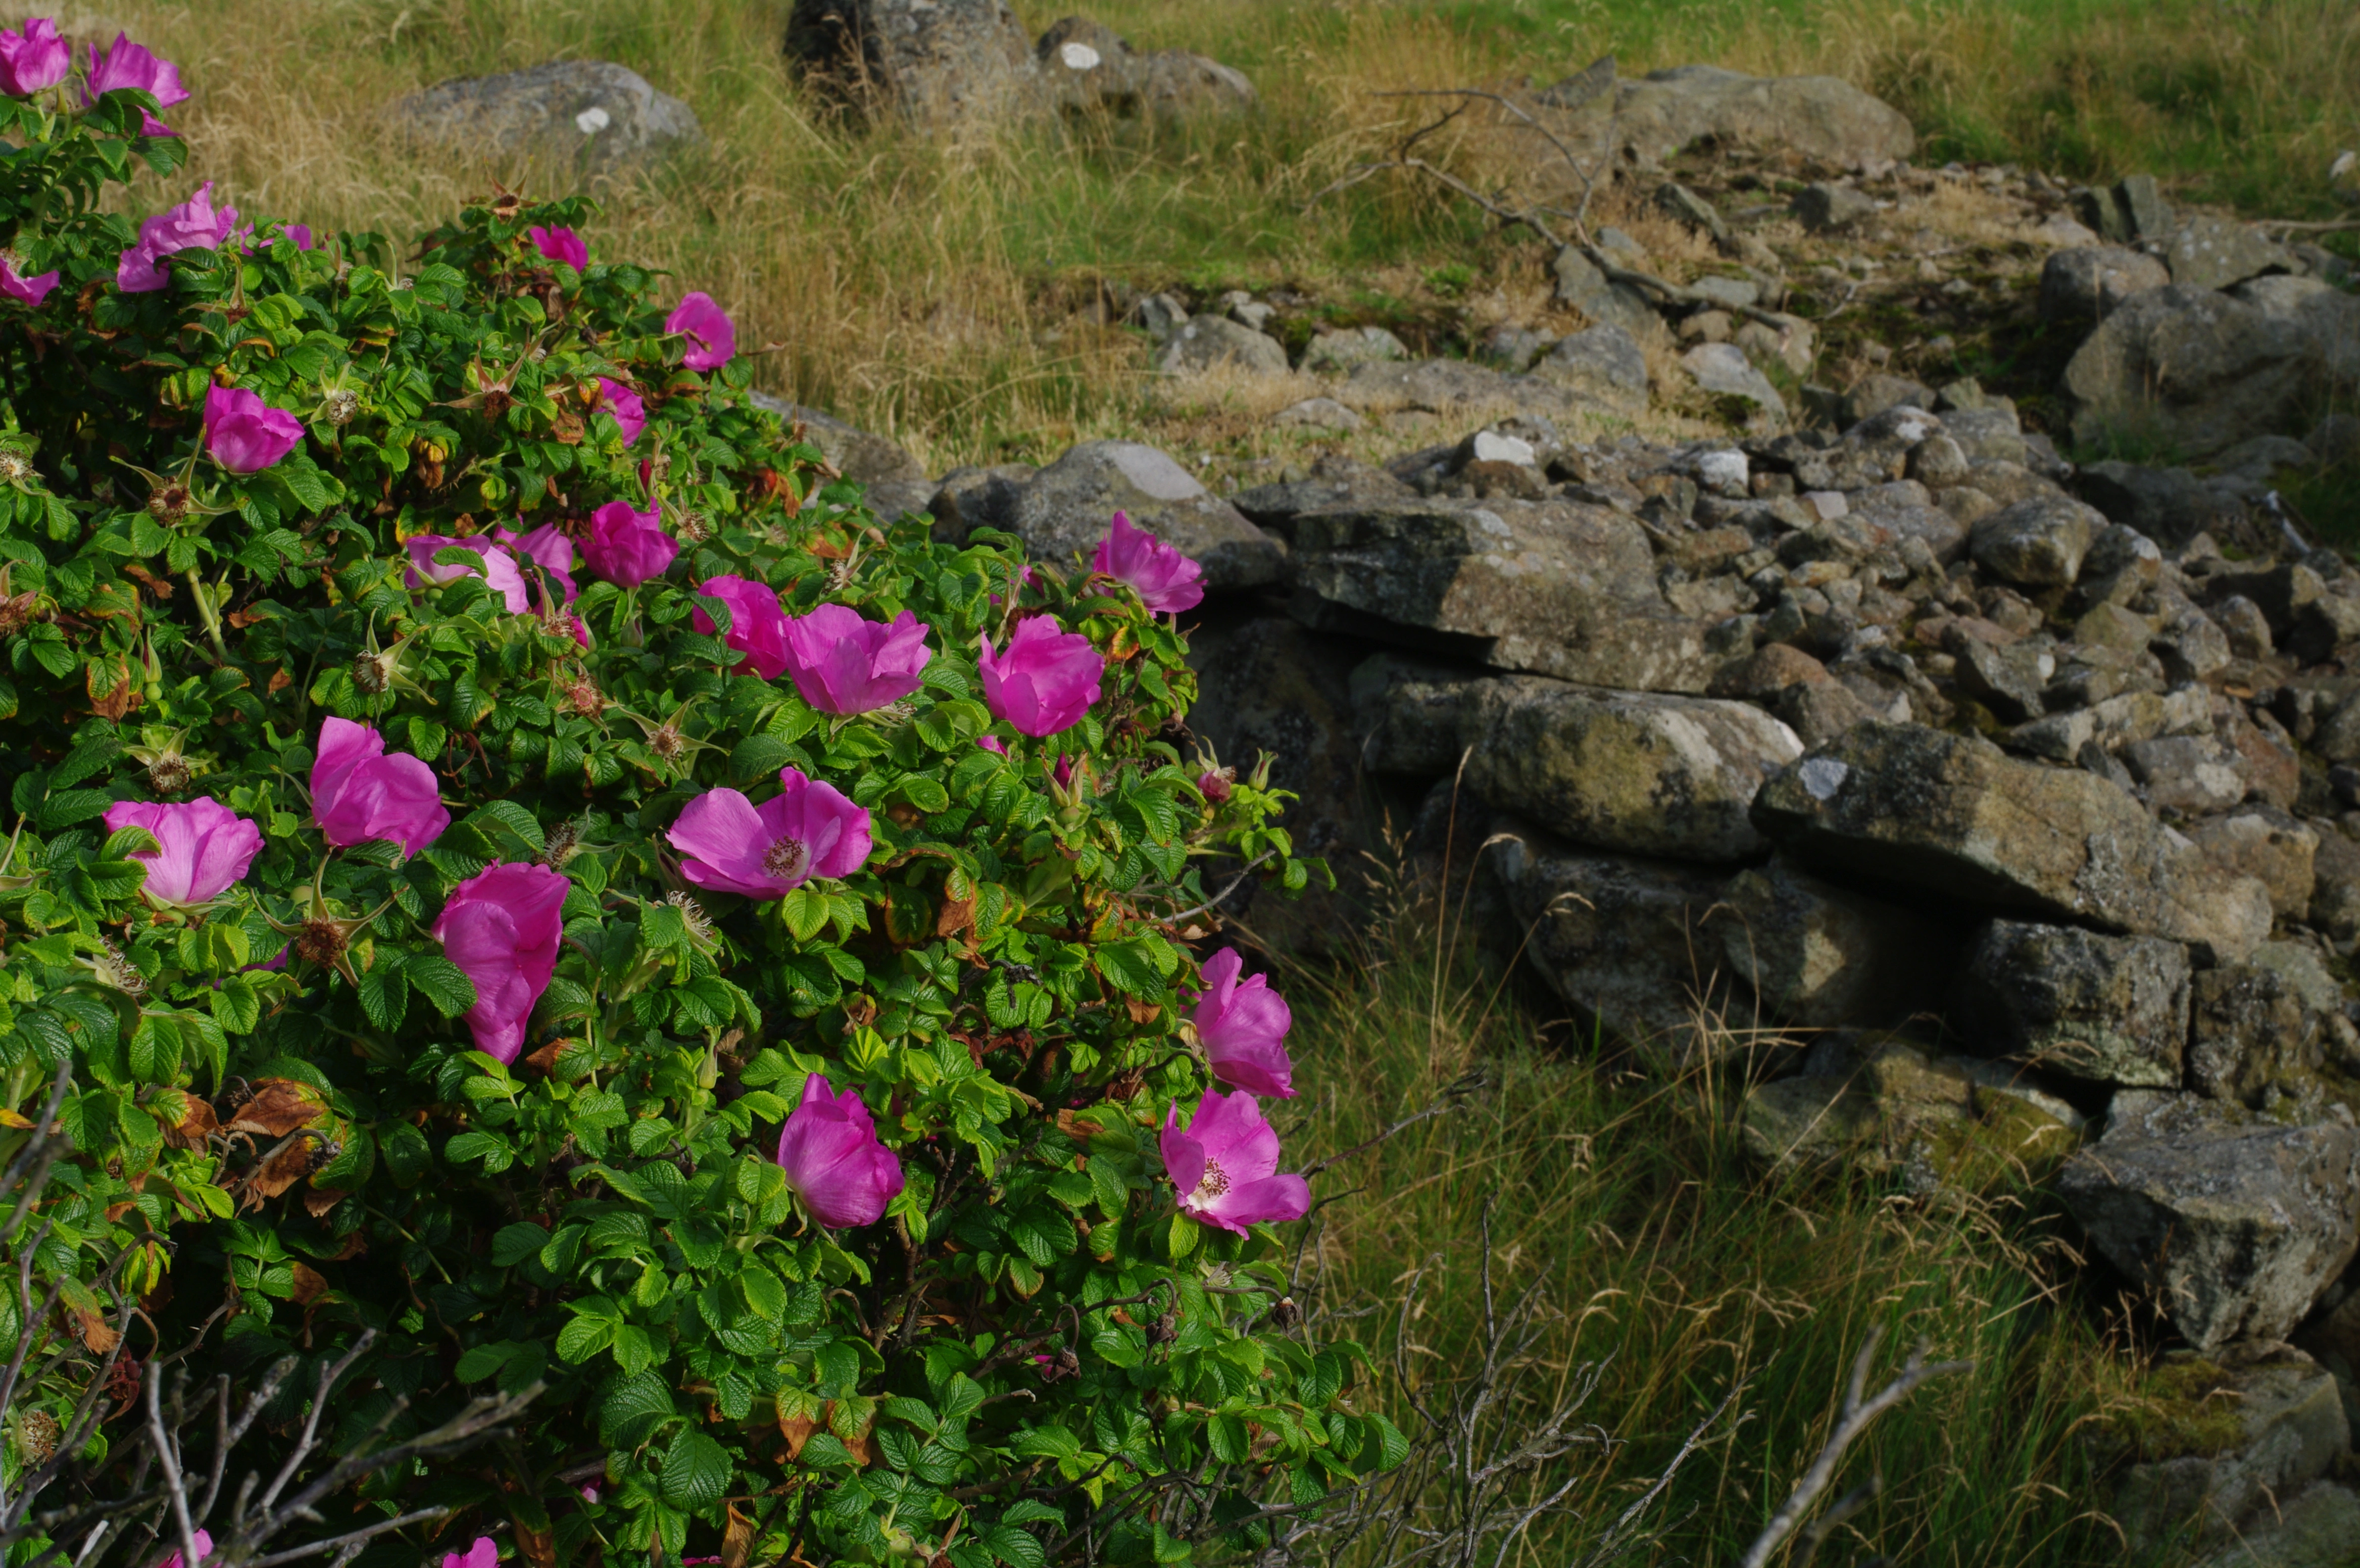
581, 116
1067, 508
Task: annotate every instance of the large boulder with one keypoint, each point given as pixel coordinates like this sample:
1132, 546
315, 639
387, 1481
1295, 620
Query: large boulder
1822, 957
1894, 1110
1616, 939
1822, 118
2235, 1224
2214, 253
1954, 816
1582, 284
1554, 587
2196, 369
1067, 506
569, 119
939, 63
1637, 772
2086, 283
2103, 1009
1208, 341
1604, 366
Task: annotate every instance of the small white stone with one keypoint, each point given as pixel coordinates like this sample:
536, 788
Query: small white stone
593, 120
1828, 504
1078, 56
1823, 776
1725, 471
1491, 446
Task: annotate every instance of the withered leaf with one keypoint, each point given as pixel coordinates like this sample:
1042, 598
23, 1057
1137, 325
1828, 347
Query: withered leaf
279, 1107
309, 1284
737, 1539
287, 1167
797, 1430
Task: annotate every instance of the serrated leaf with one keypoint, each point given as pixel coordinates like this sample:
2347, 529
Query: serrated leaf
442, 982
696, 1471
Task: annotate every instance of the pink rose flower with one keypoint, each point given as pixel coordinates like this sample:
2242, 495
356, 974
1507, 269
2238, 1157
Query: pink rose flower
758, 627
624, 405
499, 568
1045, 679
1243, 1026
33, 56
808, 829
845, 664
560, 245
628, 547
358, 792
484, 1553
712, 338
501, 927
548, 548
128, 65
1164, 579
992, 744
204, 1545
202, 847
835, 1164
1226, 1165
245, 435
17, 285
193, 225
1214, 785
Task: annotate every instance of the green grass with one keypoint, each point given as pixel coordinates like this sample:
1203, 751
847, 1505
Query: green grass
1682, 1275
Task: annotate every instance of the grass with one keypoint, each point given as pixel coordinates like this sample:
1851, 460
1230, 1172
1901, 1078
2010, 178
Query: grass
1680, 1274
954, 294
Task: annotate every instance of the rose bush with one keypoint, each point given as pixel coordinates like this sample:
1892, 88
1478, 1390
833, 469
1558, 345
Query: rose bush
517, 860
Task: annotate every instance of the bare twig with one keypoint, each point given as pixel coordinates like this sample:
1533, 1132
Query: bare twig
1860, 1408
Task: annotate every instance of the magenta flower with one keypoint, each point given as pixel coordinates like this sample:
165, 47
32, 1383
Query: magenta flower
358, 792
628, 547
1214, 783
191, 226
202, 846
1165, 580
560, 245
712, 338
245, 435
992, 744
128, 65
484, 1553
829, 1150
204, 1545
33, 56
501, 927
1243, 1026
499, 568
548, 548
758, 627
17, 285
1226, 1165
300, 233
808, 829
845, 664
1064, 771
624, 405
1046, 678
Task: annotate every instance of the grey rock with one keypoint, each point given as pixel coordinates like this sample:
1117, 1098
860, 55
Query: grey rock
1334, 352
1209, 340
1894, 1110
1616, 939
1955, 815
2335, 888
1641, 773
1818, 714
858, 455
1420, 716
1318, 413
2290, 1430
1729, 293
2241, 621
1514, 348
2321, 627
2267, 844
938, 62
2146, 213
1824, 208
2192, 647
1938, 463
1724, 369
1580, 284
1603, 365
2170, 506
1064, 510
2085, 285
2114, 723
2101, 1009
2328, 317
2255, 1034
1583, 88
2214, 252
1992, 434
2194, 773
1875, 394
2235, 1225
972, 498
568, 119
1454, 388
1086, 67
2196, 369
2037, 542
2009, 681
1823, 957
2282, 591
1681, 204
1819, 116
2313, 1527
1553, 587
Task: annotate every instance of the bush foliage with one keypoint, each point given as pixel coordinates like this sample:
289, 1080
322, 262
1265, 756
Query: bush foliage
285, 1131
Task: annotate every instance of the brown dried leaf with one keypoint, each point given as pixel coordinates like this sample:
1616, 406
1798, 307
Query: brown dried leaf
280, 680
279, 1107
737, 1539
957, 914
290, 1166
97, 1333
797, 1430
1141, 1012
320, 1199
197, 1124
309, 1285
537, 1547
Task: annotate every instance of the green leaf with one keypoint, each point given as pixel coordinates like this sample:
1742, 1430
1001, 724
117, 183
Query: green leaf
385, 995
696, 1471
513, 1244
508, 814
633, 1409
442, 982
237, 1006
